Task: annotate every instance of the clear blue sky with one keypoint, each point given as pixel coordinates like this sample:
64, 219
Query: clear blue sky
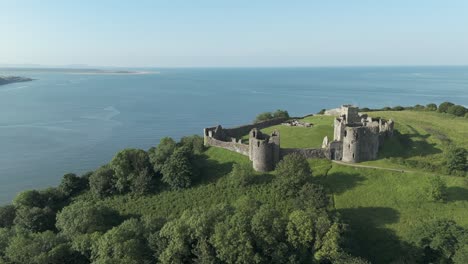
234, 32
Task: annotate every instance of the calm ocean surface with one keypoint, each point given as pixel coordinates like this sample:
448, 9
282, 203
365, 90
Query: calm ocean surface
73, 122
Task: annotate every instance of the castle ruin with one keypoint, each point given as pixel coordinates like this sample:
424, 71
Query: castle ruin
356, 138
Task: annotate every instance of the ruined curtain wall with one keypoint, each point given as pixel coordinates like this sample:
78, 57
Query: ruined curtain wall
232, 146
238, 132
307, 153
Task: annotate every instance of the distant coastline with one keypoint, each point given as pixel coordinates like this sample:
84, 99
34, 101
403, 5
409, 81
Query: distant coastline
13, 79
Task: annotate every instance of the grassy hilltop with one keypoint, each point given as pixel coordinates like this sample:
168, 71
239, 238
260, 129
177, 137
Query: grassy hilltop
208, 205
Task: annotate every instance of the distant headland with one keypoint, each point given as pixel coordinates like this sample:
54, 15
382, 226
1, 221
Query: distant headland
13, 79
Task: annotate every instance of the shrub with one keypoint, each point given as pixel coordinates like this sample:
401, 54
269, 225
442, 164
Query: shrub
443, 107
398, 108
437, 190
321, 112
456, 160
263, 117
280, 114
457, 110
431, 107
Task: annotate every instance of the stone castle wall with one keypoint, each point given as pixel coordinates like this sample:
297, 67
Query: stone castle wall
232, 146
308, 153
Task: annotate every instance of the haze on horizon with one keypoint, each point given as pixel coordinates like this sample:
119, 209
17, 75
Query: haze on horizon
243, 33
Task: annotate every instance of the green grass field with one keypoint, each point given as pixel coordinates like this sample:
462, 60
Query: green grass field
304, 137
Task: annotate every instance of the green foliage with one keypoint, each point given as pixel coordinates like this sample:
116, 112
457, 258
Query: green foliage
6, 234
241, 175
456, 159
457, 110
312, 196
30, 198
40, 248
443, 107
271, 115
194, 143
293, 171
7, 215
72, 184
437, 190
178, 169
158, 155
102, 182
431, 107
124, 244
398, 108
322, 111
280, 114
133, 171
440, 241
300, 229
86, 218
263, 117
35, 219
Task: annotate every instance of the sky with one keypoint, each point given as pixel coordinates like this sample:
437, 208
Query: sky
233, 33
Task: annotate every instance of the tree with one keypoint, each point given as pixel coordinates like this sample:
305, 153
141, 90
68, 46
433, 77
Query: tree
437, 190
7, 215
263, 117
39, 248
441, 241
268, 228
293, 171
35, 219
300, 229
72, 184
158, 155
178, 170
443, 107
241, 175
30, 198
6, 234
431, 107
133, 171
456, 160
280, 114
457, 110
124, 244
461, 255
102, 182
194, 143
312, 196
86, 218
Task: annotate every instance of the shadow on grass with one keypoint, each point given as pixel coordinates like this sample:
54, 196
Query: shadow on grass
339, 182
407, 145
457, 194
367, 237
211, 170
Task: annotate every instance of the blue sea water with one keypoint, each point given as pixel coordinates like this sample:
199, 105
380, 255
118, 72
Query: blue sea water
73, 121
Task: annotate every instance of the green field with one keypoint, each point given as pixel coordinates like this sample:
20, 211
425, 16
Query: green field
304, 137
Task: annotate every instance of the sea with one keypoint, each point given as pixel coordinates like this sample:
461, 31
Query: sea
70, 120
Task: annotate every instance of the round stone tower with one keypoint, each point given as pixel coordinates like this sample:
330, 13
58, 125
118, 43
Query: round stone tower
264, 150
351, 144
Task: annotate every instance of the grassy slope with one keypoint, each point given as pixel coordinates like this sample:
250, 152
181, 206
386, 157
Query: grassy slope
382, 207
311, 137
